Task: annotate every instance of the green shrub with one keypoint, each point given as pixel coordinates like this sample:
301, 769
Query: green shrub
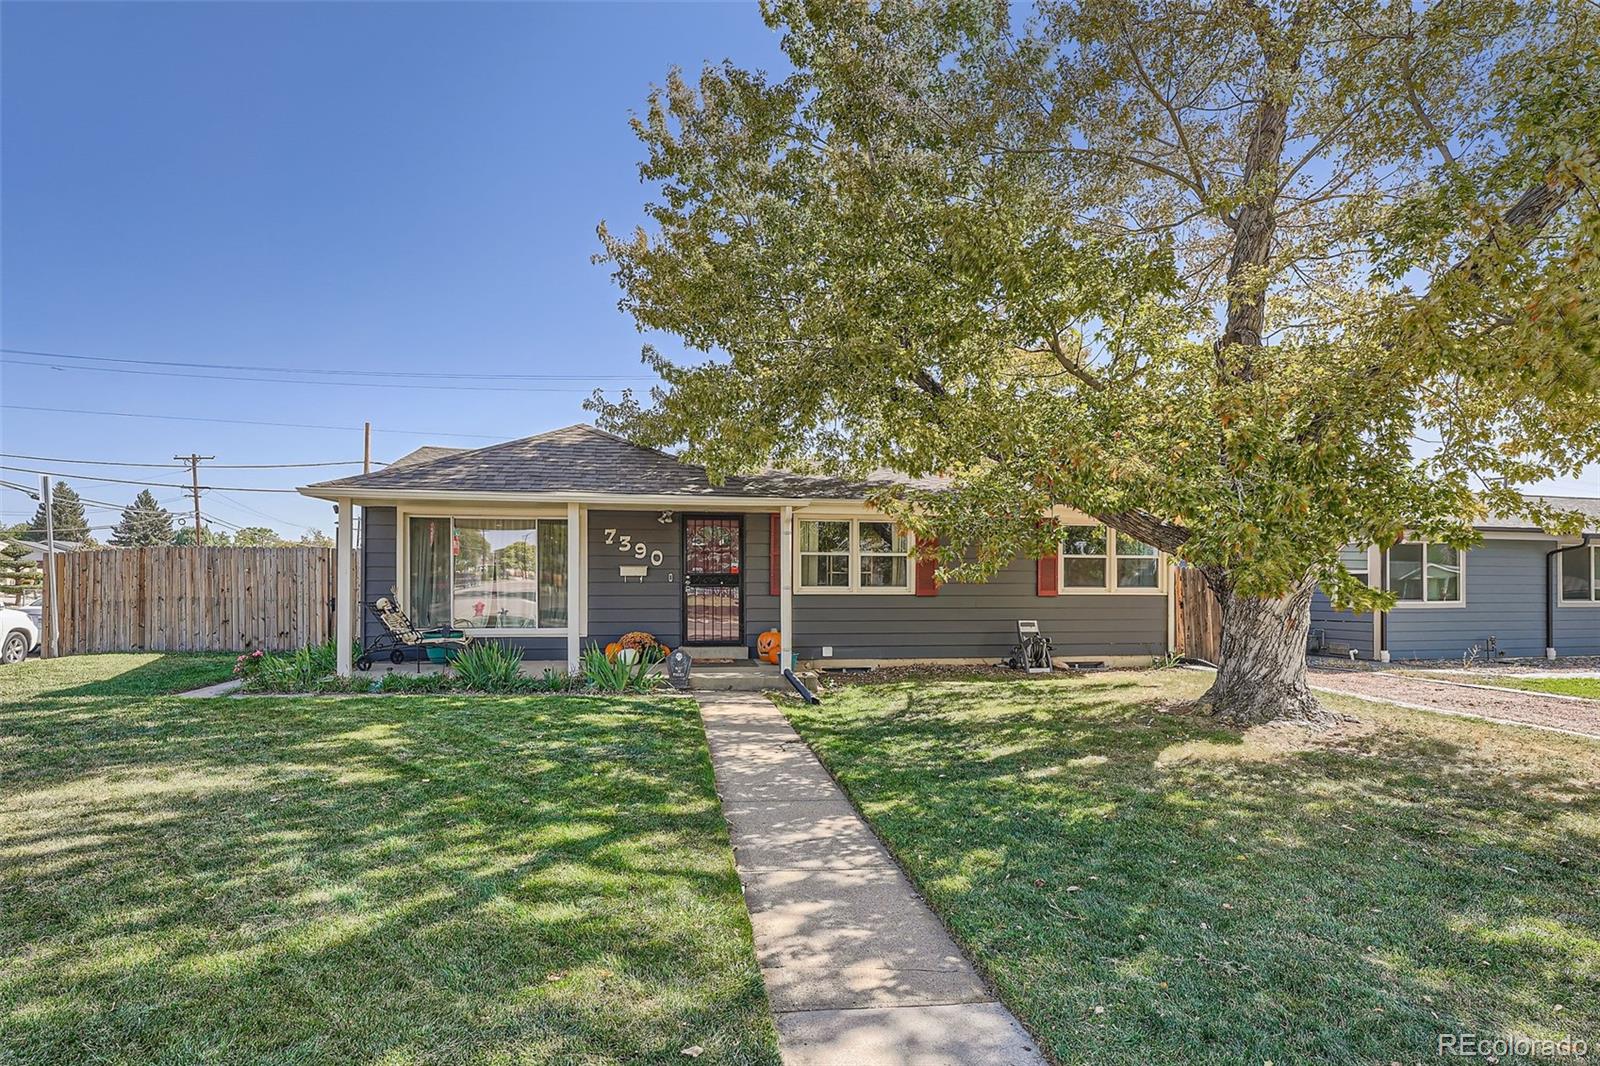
489, 666
398, 682
298, 671
609, 675
552, 681
334, 683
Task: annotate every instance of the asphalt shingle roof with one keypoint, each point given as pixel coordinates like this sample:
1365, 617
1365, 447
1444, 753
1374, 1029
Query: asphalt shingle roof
1586, 505
425, 454
582, 459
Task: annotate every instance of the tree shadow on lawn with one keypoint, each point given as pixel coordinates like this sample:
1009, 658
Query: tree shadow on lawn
1336, 897
338, 880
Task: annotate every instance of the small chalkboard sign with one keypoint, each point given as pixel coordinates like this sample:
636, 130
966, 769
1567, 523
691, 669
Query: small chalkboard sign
678, 664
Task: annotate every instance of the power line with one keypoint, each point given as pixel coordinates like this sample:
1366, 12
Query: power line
153, 484
85, 462
263, 514
178, 466
256, 368
247, 422
87, 477
430, 387
285, 466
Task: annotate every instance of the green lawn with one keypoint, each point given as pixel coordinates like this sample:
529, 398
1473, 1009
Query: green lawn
1145, 887
1587, 687
372, 880
129, 674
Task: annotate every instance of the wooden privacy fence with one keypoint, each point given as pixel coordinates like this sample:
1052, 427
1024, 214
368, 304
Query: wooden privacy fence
192, 599
1199, 617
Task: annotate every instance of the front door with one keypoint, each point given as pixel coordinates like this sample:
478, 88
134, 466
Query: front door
713, 600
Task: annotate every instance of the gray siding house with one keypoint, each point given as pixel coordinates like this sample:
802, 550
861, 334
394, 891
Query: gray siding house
576, 536
1520, 593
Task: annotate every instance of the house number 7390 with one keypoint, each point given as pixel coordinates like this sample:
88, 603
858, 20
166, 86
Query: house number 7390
636, 548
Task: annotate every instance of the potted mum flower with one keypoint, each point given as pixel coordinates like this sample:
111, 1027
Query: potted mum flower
634, 644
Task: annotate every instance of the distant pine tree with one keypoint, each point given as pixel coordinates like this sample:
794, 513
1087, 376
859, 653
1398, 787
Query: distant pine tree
71, 523
18, 578
144, 522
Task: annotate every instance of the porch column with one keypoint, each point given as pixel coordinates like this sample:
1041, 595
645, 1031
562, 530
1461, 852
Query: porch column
343, 558
786, 590
577, 587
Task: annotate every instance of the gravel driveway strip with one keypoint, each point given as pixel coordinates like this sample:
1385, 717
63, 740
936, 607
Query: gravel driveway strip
1581, 717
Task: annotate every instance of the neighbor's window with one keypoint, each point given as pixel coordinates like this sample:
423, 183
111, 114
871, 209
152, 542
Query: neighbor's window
854, 555
1098, 559
488, 573
1424, 572
1354, 559
1580, 575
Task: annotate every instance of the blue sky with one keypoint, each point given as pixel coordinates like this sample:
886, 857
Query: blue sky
390, 188
394, 188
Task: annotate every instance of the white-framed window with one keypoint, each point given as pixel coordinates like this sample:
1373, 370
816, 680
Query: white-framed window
864, 555
1580, 575
1426, 573
499, 575
1097, 559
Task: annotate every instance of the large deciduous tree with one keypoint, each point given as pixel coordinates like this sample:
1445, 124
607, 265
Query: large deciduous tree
1247, 281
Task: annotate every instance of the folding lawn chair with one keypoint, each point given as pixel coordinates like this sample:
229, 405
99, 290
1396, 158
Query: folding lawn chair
402, 633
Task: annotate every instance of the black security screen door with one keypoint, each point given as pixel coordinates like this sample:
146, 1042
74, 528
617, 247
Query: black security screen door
713, 608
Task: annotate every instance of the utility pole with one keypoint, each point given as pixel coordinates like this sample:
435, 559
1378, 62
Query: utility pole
194, 462
50, 590
366, 448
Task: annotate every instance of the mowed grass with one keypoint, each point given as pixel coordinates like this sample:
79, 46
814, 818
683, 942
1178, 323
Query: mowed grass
121, 674
1586, 687
386, 881
1143, 886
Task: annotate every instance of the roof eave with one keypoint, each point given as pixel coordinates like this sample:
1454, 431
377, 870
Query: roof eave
676, 502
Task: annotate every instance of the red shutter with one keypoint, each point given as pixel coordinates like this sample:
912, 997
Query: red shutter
1049, 575
775, 557
926, 565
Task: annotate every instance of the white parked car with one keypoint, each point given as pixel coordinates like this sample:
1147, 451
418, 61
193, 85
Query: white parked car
18, 635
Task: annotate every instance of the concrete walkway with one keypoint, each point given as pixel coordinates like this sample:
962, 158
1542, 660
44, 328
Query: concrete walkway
858, 970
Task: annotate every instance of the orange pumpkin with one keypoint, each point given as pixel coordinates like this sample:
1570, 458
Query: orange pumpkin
767, 646
612, 649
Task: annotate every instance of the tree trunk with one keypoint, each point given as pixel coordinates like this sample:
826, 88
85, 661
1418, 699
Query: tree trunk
1262, 676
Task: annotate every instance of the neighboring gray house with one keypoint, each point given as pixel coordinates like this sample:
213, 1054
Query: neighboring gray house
577, 536
1522, 592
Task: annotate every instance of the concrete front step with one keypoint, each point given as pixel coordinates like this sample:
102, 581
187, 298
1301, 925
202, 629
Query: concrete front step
702, 652
741, 677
